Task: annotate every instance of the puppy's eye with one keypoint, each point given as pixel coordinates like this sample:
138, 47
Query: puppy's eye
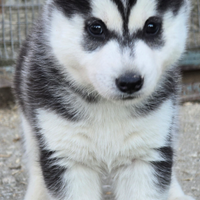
96, 29
152, 26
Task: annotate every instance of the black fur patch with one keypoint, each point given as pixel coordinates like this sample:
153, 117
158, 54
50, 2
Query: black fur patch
18, 71
163, 169
49, 88
131, 3
52, 173
46, 84
125, 12
71, 7
174, 5
121, 8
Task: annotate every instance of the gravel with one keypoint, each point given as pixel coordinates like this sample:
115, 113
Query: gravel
13, 179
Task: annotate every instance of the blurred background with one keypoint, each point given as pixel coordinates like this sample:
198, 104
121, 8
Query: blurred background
16, 19
17, 16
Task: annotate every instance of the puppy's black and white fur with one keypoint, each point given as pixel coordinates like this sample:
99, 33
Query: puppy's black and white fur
97, 85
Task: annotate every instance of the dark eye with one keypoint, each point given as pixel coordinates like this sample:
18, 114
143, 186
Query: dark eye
152, 26
96, 29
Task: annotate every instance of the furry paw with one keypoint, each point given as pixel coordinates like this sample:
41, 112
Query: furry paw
183, 198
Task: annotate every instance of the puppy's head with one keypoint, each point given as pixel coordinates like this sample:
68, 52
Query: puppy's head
118, 48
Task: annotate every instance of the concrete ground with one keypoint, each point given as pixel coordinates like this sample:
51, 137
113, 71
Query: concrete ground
13, 179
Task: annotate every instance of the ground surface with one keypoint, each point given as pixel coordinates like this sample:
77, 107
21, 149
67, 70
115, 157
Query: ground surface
13, 179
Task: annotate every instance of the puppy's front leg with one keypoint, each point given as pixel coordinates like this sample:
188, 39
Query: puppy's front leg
143, 180
176, 192
79, 183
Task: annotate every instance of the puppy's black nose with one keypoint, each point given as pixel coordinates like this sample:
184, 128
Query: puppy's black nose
129, 83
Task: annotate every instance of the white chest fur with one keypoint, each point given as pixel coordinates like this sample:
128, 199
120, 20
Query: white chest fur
110, 137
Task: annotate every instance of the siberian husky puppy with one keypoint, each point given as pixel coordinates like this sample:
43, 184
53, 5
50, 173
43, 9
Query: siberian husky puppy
97, 86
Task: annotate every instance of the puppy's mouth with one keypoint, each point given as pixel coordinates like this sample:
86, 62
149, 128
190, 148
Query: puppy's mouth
127, 97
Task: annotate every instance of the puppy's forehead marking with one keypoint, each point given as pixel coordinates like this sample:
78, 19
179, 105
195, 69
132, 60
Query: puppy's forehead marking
114, 13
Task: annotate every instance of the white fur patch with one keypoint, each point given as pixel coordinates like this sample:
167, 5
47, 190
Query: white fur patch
110, 137
82, 183
107, 11
137, 181
175, 35
66, 39
140, 12
148, 66
36, 186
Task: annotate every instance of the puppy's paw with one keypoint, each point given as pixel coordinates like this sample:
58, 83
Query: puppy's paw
183, 198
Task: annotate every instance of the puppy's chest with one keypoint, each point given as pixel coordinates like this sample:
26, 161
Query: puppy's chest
106, 139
